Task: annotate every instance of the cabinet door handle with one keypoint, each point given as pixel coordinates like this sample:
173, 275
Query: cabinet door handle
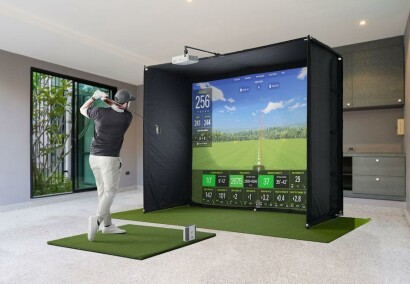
377, 179
377, 160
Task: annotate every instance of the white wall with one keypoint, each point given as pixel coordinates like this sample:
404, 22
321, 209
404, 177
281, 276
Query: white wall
407, 108
15, 125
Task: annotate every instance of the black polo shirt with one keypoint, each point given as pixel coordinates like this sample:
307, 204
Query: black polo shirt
109, 129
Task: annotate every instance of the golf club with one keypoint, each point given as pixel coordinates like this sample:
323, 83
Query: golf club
110, 102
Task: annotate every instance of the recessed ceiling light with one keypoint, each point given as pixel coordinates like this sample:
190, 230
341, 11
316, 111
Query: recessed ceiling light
189, 1
362, 22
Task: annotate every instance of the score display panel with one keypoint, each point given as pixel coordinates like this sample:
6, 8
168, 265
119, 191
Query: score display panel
249, 140
268, 189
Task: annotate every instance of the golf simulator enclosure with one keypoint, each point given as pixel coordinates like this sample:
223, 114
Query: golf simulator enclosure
255, 129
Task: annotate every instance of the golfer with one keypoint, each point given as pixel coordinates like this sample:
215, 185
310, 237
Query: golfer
110, 125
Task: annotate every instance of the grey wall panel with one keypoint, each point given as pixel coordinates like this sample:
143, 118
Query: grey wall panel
347, 81
407, 107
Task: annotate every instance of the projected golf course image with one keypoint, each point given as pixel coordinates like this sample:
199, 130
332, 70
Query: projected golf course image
250, 140
284, 154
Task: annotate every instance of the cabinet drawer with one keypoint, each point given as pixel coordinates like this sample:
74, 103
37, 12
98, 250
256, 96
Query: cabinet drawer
381, 185
379, 166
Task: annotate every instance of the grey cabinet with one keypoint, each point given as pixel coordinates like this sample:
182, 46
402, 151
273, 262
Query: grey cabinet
379, 185
378, 78
347, 81
373, 74
379, 166
380, 176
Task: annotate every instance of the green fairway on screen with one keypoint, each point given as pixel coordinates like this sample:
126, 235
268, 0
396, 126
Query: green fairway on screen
249, 140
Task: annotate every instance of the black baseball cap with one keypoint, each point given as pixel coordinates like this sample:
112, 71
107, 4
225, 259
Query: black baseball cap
123, 96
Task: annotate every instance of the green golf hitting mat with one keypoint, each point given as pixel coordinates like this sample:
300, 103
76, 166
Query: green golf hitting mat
139, 242
265, 223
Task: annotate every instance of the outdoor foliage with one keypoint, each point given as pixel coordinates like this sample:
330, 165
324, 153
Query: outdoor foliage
52, 127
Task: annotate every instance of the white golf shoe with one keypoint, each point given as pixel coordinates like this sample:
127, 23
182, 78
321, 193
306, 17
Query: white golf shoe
112, 229
92, 227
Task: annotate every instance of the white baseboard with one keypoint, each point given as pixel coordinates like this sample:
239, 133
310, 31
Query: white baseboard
131, 187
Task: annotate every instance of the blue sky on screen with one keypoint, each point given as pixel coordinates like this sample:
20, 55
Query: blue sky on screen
279, 98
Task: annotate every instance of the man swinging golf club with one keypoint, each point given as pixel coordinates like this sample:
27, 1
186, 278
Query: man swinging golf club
110, 125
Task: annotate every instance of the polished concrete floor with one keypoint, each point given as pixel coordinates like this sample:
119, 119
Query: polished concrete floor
378, 252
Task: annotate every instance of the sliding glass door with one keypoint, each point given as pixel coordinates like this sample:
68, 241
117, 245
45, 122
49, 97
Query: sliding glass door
84, 134
51, 130
60, 135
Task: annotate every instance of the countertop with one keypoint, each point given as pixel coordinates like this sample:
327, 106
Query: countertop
359, 154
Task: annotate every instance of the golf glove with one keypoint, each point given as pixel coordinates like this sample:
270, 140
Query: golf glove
99, 95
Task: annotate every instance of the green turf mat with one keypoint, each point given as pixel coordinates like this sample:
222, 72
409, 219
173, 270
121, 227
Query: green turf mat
274, 224
139, 242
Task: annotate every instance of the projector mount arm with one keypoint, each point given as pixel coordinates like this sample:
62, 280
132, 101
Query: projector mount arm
194, 48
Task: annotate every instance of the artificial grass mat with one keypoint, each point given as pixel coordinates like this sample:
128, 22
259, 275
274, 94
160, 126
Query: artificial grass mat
265, 223
139, 242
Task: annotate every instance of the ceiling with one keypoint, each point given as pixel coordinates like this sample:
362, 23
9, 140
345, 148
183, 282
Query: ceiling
115, 39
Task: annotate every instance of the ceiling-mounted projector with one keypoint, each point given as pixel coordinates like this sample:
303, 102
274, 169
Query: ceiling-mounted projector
185, 59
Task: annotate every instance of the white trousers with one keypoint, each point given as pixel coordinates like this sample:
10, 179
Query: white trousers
107, 172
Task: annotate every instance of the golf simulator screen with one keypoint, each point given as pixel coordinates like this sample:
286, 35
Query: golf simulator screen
249, 140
